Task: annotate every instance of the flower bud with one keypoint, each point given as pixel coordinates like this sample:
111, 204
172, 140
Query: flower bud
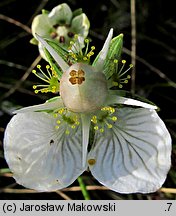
83, 89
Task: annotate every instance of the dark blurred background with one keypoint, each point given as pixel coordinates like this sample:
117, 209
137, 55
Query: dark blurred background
155, 72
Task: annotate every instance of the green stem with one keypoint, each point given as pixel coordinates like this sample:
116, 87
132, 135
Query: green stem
83, 189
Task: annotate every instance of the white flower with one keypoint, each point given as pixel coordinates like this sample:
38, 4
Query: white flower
46, 146
60, 25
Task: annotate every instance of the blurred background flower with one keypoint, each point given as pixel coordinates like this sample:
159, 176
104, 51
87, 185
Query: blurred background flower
60, 25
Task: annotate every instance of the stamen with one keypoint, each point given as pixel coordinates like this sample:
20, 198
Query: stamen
104, 119
116, 79
66, 117
77, 53
51, 79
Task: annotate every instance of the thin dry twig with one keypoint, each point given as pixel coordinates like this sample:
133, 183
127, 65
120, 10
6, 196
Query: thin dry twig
63, 195
11, 64
168, 190
73, 189
15, 22
38, 9
152, 68
133, 44
89, 187
23, 78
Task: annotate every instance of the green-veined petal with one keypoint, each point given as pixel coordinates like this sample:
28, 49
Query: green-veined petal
60, 14
42, 26
133, 156
40, 156
80, 25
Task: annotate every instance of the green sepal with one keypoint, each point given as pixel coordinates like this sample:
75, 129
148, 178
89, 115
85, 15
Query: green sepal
45, 11
77, 12
33, 41
115, 51
128, 94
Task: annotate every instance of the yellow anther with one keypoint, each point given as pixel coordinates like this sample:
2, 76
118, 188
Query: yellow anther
77, 123
67, 132
86, 40
36, 91
120, 86
47, 66
96, 128
92, 47
34, 86
55, 115
131, 65
34, 71
101, 130
85, 58
39, 66
123, 61
94, 119
112, 110
73, 126
91, 161
115, 61
114, 118
58, 121
109, 126
57, 127
61, 111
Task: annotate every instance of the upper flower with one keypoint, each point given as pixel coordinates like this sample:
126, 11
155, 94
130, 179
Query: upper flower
60, 25
46, 146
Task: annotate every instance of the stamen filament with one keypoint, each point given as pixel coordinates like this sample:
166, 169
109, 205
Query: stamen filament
39, 67
34, 72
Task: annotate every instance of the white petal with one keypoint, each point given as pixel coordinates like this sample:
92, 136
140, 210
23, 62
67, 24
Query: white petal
40, 156
64, 66
55, 104
103, 53
61, 13
115, 99
133, 156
